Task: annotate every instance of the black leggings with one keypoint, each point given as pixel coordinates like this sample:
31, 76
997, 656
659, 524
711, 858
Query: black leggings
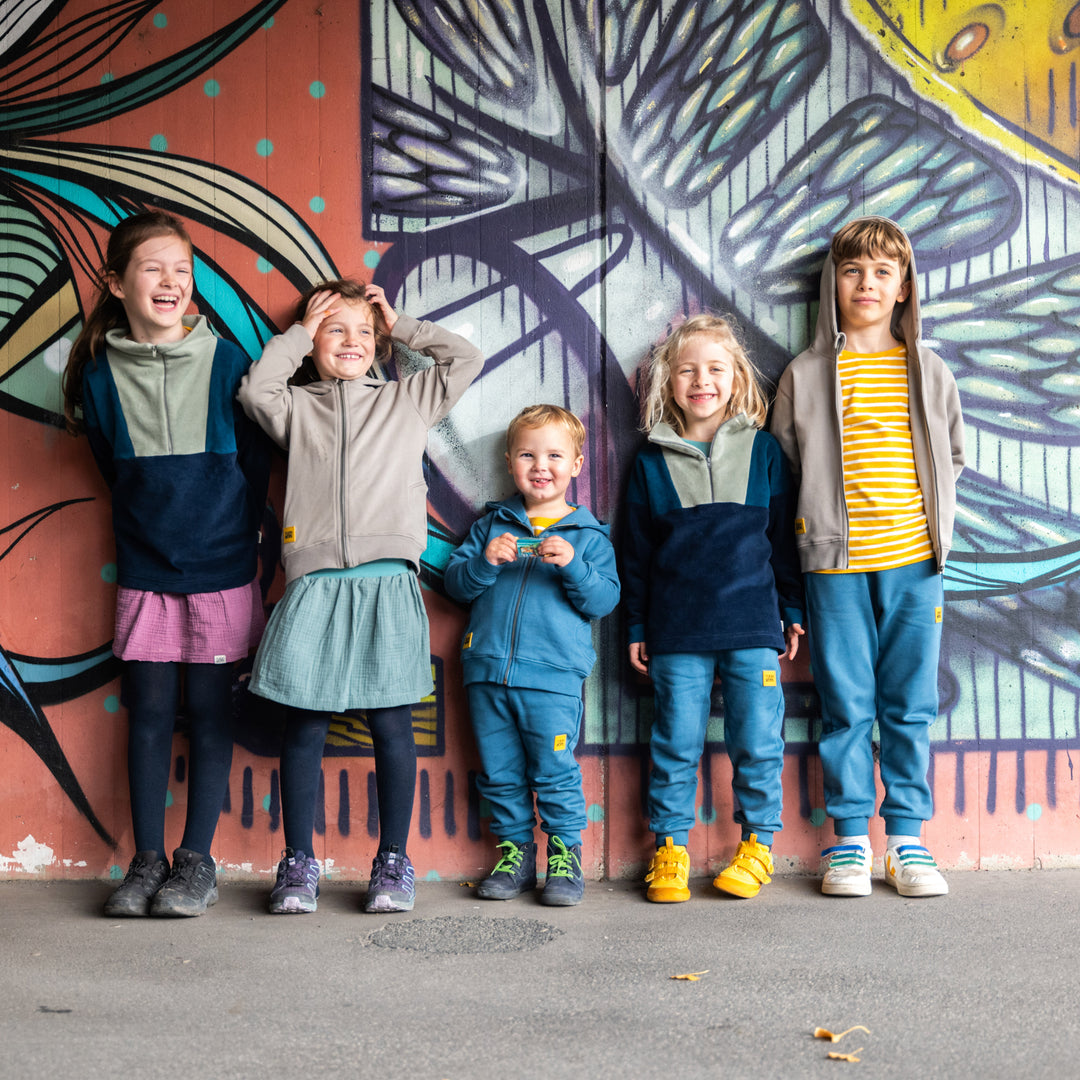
153, 694
395, 773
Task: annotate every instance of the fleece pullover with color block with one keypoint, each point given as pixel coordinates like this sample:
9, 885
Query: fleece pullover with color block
529, 625
187, 469
709, 559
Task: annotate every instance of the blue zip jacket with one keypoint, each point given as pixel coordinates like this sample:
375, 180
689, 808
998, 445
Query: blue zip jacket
709, 560
187, 469
530, 621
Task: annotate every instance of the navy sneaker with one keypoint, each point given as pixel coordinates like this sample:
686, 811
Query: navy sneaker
514, 873
565, 885
146, 874
191, 888
392, 886
297, 885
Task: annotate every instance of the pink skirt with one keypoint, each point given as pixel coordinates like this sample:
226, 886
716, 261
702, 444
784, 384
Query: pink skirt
193, 628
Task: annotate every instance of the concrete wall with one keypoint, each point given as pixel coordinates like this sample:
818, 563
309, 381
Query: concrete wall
558, 182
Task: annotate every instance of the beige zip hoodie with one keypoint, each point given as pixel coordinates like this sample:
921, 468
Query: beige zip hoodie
807, 423
355, 489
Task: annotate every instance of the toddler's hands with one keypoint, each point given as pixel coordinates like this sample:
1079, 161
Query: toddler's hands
377, 298
791, 636
501, 549
322, 304
639, 658
555, 551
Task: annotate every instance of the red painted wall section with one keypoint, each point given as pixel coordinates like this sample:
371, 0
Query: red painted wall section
563, 200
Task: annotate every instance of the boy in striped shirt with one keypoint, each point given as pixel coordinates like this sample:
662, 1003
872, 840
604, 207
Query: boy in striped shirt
870, 421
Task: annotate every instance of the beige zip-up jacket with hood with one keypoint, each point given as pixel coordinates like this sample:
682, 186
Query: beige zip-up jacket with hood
355, 489
807, 422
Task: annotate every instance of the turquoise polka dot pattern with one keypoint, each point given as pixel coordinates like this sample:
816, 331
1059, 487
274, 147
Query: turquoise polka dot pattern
211, 88
159, 143
266, 803
817, 817
317, 89
108, 573
595, 812
263, 266
161, 20
264, 148
706, 819
1034, 811
371, 259
112, 704
106, 78
317, 204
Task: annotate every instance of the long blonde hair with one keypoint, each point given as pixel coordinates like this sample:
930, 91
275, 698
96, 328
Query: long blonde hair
657, 401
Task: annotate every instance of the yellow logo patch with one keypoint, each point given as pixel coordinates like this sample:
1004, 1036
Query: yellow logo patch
289, 535
937, 614
768, 678
467, 643
800, 526
560, 742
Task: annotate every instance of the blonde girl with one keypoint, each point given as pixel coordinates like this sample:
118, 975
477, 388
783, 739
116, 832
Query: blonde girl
712, 587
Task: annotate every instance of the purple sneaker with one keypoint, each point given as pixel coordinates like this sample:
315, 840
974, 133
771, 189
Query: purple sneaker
297, 886
391, 887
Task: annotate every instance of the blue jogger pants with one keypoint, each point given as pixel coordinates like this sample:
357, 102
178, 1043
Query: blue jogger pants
875, 639
526, 740
753, 734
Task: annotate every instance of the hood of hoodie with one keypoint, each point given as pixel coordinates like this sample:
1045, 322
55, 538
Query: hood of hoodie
907, 317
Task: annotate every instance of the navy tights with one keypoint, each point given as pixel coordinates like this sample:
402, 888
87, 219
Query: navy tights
153, 694
395, 773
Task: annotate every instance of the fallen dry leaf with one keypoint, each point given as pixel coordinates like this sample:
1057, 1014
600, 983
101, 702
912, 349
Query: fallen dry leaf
845, 1057
692, 976
822, 1033
467, 884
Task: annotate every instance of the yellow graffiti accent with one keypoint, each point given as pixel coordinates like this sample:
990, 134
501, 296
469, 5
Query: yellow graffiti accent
1006, 71
57, 309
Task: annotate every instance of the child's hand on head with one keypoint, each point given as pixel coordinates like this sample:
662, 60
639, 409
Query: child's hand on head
377, 298
501, 549
322, 304
555, 551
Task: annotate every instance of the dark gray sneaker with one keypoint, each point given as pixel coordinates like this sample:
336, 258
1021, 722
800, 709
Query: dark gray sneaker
191, 888
514, 873
393, 883
131, 899
565, 885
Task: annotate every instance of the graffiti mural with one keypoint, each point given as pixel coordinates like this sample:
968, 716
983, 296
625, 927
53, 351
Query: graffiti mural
559, 182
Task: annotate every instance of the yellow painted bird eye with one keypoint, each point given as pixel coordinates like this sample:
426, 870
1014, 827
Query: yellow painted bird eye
966, 43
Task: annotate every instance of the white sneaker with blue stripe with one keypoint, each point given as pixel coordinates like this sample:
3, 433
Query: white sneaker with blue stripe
910, 869
848, 870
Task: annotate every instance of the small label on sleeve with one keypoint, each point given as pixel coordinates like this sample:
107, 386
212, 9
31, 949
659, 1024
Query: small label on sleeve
289, 535
938, 613
467, 643
800, 526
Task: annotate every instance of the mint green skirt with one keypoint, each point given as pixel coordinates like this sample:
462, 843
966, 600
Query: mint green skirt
346, 642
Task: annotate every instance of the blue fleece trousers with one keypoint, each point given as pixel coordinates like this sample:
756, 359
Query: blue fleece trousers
526, 740
753, 734
875, 639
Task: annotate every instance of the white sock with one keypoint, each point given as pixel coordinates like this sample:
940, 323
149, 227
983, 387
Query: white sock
900, 841
862, 841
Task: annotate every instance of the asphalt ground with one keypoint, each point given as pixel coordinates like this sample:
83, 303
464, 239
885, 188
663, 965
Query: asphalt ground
982, 983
